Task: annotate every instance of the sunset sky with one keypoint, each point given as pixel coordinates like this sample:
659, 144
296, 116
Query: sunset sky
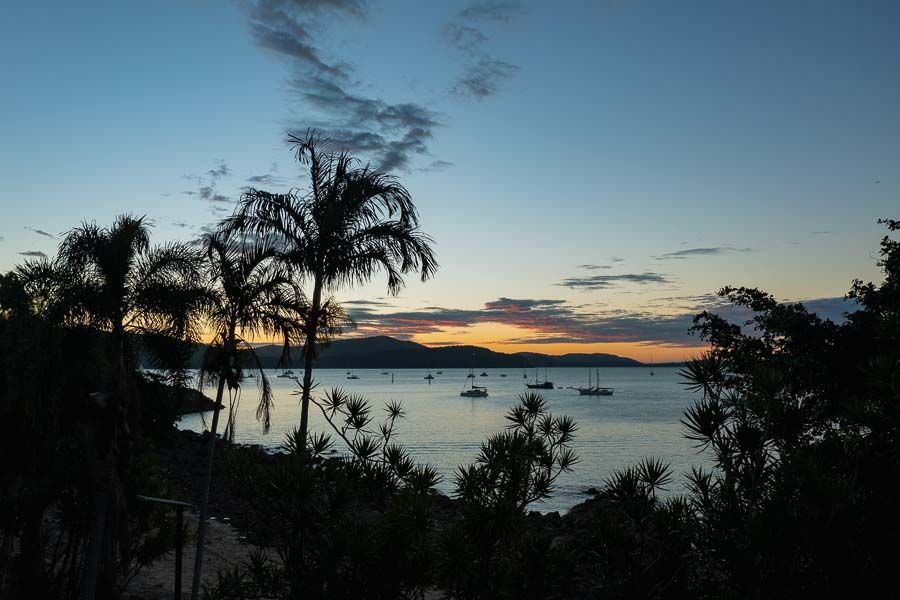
592, 172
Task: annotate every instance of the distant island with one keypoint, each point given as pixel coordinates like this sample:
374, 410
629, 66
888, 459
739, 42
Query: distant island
383, 352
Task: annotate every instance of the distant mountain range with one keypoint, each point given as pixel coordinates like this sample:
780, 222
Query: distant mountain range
382, 352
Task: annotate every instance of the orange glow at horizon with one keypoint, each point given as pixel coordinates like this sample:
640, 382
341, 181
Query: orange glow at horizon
502, 338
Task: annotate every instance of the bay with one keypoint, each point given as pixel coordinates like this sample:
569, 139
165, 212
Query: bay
641, 419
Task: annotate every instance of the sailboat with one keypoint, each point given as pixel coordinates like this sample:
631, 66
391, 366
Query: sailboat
651, 364
595, 389
540, 385
351, 376
475, 391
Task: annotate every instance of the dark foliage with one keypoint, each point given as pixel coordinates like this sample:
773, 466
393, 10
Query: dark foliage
74, 443
356, 526
800, 416
493, 551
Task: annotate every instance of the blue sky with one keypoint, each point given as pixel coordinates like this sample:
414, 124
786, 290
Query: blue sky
760, 141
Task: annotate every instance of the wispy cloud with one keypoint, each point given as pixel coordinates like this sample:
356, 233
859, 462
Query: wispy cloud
207, 187
482, 72
33, 254
437, 166
41, 232
286, 28
694, 252
219, 171
270, 178
558, 321
546, 321
260, 179
483, 78
602, 282
598, 266
366, 303
391, 134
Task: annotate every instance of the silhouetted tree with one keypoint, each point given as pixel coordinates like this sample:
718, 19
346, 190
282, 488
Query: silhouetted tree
352, 223
250, 297
53, 362
145, 298
800, 416
492, 551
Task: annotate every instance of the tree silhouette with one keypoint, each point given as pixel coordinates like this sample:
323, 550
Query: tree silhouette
145, 298
352, 223
250, 296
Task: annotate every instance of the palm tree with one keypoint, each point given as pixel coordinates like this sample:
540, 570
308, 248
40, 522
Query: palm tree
126, 286
352, 223
251, 296
144, 297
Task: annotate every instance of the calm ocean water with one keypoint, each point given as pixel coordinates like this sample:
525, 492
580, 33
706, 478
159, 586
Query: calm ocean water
441, 428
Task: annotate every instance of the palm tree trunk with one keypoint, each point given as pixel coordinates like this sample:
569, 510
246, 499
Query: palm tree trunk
207, 482
94, 549
309, 352
98, 558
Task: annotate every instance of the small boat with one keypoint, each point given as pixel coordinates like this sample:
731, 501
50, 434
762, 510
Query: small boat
540, 385
594, 389
287, 374
476, 391
348, 372
502, 374
483, 374
524, 375
543, 385
440, 372
385, 373
350, 375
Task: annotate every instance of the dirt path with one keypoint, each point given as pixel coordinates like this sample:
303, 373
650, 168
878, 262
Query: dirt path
223, 549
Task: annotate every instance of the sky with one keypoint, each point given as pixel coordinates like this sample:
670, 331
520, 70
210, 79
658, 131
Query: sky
592, 172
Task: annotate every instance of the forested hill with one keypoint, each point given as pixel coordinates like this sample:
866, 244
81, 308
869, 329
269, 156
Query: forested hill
382, 352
